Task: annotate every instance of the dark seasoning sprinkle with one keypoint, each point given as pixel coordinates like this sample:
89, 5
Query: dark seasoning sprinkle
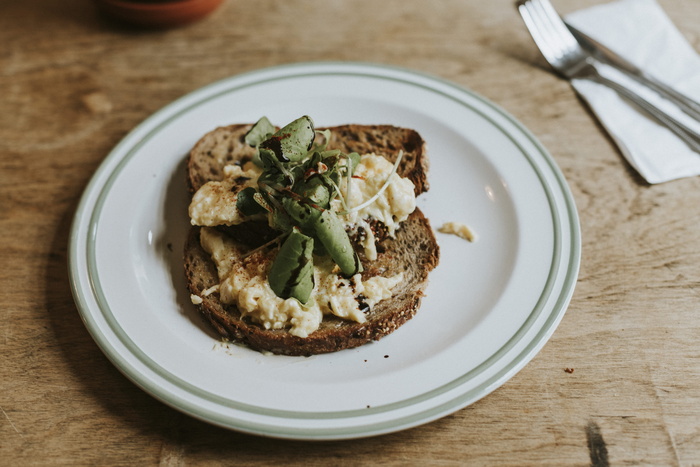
385, 356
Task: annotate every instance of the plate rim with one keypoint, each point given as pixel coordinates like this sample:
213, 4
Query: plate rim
116, 158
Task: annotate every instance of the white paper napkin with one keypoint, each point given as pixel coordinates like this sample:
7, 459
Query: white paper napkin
641, 32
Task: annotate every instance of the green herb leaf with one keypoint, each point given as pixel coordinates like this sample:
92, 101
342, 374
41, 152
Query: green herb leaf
246, 202
292, 142
261, 130
292, 274
329, 230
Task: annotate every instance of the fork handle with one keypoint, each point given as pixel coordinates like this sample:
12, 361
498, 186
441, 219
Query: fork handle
687, 105
690, 137
607, 56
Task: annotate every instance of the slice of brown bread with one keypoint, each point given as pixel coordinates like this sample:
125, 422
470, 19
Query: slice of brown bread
414, 251
226, 145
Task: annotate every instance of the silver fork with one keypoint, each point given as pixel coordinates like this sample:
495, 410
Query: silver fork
563, 52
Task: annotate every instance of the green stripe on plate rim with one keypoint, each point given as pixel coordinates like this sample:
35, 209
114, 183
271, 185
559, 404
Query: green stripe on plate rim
361, 430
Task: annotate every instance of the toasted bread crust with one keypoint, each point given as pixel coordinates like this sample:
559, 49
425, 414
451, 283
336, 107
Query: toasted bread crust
414, 251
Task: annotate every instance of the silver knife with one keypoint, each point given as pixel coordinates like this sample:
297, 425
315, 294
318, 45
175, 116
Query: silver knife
605, 55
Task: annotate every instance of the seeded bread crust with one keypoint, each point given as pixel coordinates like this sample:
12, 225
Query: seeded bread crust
414, 251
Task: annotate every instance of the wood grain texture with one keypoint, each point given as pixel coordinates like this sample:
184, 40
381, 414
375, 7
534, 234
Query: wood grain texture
74, 83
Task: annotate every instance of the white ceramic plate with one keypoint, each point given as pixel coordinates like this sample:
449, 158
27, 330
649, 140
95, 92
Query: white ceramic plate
490, 306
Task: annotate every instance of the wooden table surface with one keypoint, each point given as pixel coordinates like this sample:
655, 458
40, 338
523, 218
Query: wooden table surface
73, 83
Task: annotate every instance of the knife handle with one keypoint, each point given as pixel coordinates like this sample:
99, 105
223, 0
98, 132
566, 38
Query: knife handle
603, 54
686, 104
690, 137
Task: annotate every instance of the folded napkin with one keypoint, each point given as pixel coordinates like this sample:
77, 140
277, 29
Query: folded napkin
642, 33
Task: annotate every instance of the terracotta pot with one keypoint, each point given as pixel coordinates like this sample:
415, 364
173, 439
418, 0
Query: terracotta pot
158, 13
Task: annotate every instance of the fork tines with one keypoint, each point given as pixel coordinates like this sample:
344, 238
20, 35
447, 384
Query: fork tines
547, 28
